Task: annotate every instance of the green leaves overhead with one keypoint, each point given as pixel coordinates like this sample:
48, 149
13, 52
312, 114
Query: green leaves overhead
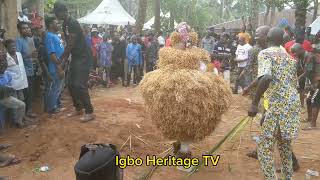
49, 5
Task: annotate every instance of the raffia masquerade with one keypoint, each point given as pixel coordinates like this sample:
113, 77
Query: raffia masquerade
183, 102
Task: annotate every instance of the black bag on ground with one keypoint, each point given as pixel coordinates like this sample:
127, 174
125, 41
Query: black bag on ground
97, 162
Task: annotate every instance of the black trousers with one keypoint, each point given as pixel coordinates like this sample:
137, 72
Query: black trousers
239, 81
117, 69
78, 86
28, 94
136, 77
150, 66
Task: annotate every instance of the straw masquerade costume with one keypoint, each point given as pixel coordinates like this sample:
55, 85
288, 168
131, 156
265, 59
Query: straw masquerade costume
185, 102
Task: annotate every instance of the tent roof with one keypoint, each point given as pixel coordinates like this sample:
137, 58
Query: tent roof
148, 25
315, 26
108, 12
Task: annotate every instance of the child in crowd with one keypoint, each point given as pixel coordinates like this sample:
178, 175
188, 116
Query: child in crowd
105, 59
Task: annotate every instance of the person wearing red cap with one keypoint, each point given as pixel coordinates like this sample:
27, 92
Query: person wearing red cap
306, 45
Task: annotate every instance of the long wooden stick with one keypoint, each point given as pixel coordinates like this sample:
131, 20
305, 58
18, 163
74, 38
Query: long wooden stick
148, 174
229, 136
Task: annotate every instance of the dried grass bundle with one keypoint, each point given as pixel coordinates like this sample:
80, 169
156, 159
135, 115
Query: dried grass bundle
194, 38
185, 104
175, 38
201, 54
182, 59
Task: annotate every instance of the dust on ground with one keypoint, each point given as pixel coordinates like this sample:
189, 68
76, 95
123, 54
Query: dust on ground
119, 112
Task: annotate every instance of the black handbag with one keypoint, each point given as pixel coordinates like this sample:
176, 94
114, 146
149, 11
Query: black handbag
97, 162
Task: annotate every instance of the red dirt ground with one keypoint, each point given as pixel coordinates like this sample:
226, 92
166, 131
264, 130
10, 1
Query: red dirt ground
56, 142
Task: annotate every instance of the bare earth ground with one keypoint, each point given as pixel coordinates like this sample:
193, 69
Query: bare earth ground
56, 142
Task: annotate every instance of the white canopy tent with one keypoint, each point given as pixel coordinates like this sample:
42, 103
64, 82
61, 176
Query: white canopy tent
108, 12
315, 26
148, 25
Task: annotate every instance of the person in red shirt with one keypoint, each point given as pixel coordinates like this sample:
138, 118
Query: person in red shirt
168, 42
306, 45
36, 21
95, 41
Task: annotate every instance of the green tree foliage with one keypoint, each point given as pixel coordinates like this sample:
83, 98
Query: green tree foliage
142, 10
301, 13
49, 5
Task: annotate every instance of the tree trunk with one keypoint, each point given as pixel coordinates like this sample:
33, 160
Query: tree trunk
272, 15
315, 10
265, 21
12, 12
130, 7
223, 8
255, 14
172, 19
157, 22
301, 14
141, 15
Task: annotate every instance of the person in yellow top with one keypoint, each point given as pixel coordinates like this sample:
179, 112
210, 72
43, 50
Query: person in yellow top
244, 34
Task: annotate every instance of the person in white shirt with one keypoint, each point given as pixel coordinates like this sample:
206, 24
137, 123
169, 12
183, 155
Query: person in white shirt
242, 57
23, 18
16, 69
161, 40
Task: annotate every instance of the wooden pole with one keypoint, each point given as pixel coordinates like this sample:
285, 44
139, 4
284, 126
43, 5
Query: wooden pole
12, 19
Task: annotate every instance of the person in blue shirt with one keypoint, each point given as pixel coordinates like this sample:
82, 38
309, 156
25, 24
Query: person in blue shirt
55, 50
105, 58
134, 56
25, 45
6, 100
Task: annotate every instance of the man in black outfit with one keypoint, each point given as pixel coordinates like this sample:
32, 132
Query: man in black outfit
80, 64
118, 58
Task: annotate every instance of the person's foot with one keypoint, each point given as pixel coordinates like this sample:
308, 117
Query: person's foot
26, 118
296, 167
87, 118
312, 126
8, 160
253, 154
235, 92
74, 113
20, 125
176, 147
305, 120
4, 146
32, 115
55, 111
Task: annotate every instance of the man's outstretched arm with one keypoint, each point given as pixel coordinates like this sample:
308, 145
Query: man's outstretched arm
263, 85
